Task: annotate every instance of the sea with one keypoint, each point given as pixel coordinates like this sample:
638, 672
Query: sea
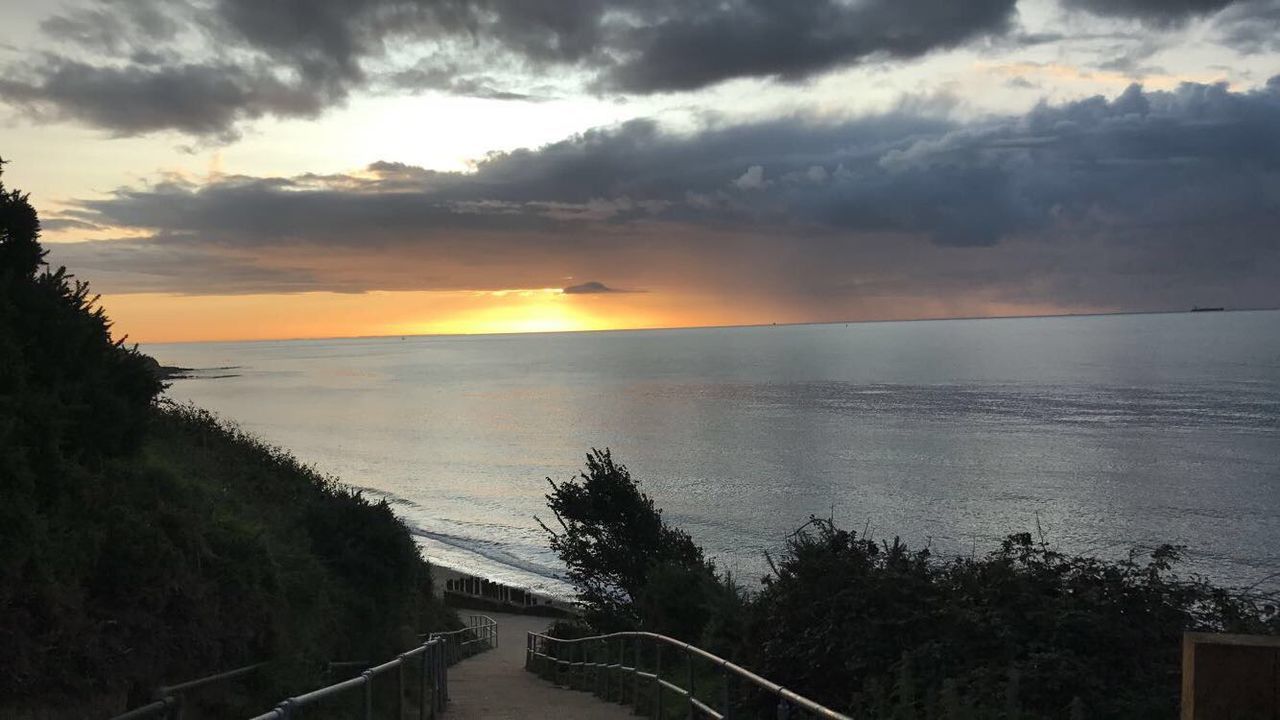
1101, 434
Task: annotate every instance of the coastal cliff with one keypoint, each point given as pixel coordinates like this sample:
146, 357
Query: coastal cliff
143, 543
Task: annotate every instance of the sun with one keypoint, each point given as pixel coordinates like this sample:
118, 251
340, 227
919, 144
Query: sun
514, 311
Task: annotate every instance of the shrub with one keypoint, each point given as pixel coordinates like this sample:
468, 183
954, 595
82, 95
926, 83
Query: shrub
881, 630
143, 544
842, 616
611, 539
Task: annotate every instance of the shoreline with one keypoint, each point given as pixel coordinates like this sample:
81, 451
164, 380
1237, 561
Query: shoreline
451, 583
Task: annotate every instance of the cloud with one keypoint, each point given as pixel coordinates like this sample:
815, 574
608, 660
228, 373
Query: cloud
753, 179
1251, 26
1154, 12
592, 288
138, 66
709, 43
631, 45
1125, 201
206, 100
451, 79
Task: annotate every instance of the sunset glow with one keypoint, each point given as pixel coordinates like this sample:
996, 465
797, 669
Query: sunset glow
180, 318
215, 177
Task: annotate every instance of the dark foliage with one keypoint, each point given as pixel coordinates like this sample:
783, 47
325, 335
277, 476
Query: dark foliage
842, 616
613, 539
881, 630
143, 544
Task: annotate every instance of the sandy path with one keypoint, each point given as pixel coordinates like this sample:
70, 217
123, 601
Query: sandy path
494, 684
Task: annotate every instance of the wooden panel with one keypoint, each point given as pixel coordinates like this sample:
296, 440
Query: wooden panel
1230, 677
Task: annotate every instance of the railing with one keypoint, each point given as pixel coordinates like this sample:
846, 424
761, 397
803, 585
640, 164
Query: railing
481, 633
598, 664
436, 654
170, 698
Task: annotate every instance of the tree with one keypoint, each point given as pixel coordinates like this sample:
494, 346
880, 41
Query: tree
612, 540
68, 390
20, 252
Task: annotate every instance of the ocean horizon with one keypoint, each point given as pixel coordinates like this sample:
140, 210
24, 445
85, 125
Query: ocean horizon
1103, 432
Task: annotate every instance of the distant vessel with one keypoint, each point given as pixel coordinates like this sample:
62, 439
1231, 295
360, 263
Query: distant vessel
1206, 309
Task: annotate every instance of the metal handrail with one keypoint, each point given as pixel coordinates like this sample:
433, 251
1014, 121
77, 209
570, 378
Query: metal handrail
480, 629
438, 652
538, 644
168, 702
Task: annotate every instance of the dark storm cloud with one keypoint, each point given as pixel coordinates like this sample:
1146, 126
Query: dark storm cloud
790, 40
1248, 26
1123, 202
1155, 12
149, 267
197, 99
315, 54
1143, 159
310, 210
592, 288
113, 28
637, 45
1252, 26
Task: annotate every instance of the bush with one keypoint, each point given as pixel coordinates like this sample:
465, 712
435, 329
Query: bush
881, 630
611, 540
144, 544
842, 619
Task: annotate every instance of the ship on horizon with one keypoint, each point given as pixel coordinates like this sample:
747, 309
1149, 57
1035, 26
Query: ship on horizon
1197, 308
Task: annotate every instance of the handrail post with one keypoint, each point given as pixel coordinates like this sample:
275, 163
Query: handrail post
575, 666
400, 687
433, 675
726, 711
689, 661
444, 675
593, 678
422, 685
437, 678
368, 694
657, 680
597, 652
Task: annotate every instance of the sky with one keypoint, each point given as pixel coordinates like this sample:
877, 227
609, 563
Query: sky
238, 169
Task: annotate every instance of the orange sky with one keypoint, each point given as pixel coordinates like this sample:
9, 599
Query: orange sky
155, 317
980, 175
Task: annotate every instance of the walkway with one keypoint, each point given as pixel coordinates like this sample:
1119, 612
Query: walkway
494, 684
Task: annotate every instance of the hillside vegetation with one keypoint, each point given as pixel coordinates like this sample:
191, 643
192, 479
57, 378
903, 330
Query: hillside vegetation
143, 543
888, 632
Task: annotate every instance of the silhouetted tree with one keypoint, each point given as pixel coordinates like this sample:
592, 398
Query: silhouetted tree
20, 252
142, 544
612, 539
885, 631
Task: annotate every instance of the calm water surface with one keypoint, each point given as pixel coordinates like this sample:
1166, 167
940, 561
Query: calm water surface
1112, 431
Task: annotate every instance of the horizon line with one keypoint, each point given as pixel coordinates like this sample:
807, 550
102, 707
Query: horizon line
697, 327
